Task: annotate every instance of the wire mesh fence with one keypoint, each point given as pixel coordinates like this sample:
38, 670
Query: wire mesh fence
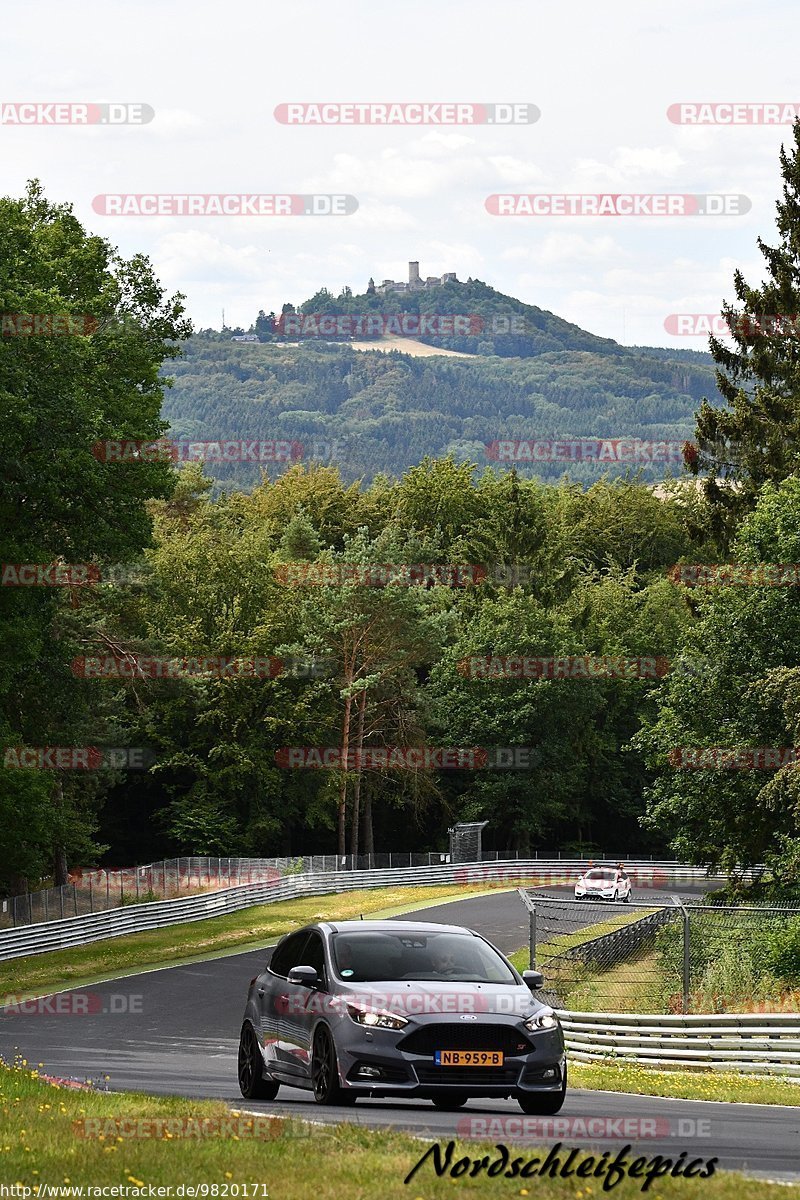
95, 890
682, 957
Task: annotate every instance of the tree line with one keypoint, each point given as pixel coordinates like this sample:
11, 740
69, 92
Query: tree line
341, 587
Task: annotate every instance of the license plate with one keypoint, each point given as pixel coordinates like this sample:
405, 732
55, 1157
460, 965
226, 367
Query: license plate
468, 1058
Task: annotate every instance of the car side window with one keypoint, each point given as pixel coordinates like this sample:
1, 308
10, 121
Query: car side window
314, 955
289, 954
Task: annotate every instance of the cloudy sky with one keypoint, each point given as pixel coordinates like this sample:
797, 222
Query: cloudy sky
602, 76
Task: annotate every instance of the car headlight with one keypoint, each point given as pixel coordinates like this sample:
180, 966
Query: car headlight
376, 1018
541, 1020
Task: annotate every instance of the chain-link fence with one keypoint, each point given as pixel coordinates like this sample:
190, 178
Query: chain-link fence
95, 890
684, 957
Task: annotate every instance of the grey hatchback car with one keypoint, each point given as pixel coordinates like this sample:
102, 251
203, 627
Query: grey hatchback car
395, 1008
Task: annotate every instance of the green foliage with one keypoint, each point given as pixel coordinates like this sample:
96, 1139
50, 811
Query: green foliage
373, 412
755, 438
740, 689
783, 948
58, 501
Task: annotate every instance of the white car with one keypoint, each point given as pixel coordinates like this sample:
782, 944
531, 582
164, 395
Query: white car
603, 883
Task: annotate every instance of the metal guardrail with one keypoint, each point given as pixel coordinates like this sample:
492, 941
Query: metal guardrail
754, 1043
137, 918
608, 948
94, 889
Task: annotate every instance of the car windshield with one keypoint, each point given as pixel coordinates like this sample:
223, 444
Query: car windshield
369, 957
604, 876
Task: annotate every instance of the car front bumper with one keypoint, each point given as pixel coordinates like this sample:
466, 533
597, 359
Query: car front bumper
402, 1072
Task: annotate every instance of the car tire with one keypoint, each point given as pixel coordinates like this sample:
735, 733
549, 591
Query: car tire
252, 1083
543, 1104
615, 897
325, 1071
628, 898
450, 1103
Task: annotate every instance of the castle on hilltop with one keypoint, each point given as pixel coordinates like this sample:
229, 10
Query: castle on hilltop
415, 282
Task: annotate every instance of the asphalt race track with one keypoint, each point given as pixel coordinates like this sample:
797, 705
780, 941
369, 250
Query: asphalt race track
175, 1030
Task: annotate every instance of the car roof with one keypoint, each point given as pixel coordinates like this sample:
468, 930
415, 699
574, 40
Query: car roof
407, 927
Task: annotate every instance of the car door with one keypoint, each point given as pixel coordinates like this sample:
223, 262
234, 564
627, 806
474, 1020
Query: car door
273, 998
303, 1006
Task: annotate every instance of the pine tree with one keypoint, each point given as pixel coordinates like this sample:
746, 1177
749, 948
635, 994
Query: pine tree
300, 541
757, 437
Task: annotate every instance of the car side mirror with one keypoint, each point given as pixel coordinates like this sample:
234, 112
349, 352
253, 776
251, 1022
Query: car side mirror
304, 976
534, 979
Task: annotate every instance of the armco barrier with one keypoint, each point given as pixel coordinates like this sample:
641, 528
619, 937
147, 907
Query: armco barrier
604, 951
136, 918
756, 1043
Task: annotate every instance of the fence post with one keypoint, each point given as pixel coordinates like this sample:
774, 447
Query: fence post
91, 896
136, 872
61, 898
532, 938
686, 961
75, 897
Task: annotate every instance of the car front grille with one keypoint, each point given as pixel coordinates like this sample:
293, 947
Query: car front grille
467, 1036
470, 1075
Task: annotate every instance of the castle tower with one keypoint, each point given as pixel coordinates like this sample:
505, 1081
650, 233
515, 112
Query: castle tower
371, 287
413, 272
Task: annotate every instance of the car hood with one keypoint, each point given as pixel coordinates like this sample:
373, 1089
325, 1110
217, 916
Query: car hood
413, 998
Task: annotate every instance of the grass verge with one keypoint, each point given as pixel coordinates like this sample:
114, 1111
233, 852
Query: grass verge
43, 1142
250, 929
684, 1085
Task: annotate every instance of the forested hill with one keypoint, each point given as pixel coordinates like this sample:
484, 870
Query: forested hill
375, 412
490, 322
